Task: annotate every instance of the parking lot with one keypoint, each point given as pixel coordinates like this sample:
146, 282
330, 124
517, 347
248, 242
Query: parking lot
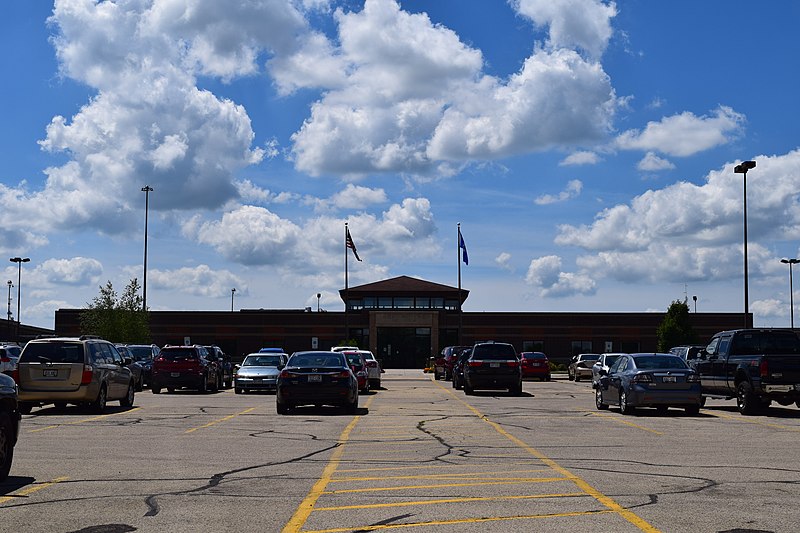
418, 456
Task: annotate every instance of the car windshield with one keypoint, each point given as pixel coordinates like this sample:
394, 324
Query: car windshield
178, 354
262, 360
316, 360
141, 353
54, 352
659, 362
586, 357
493, 351
610, 359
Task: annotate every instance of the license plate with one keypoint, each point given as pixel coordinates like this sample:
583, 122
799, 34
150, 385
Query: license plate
314, 378
494, 365
670, 379
50, 373
175, 374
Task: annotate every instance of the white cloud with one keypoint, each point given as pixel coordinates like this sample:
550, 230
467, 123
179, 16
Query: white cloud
574, 188
652, 163
73, 271
503, 261
201, 280
685, 134
769, 308
580, 158
250, 192
546, 274
356, 197
585, 24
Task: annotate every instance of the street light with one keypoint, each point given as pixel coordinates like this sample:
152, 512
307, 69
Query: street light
146, 190
742, 168
233, 291
319, 295
19, 261
695, 303
791, 262
9, 308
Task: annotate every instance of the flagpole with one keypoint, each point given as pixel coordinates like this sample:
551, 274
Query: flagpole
458, 260
346, 287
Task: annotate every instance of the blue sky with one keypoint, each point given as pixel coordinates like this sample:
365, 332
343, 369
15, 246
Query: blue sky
586, 147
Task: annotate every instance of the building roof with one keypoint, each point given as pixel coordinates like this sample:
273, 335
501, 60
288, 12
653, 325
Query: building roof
404, 286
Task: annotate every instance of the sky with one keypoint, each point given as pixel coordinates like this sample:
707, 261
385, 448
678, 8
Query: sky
586, 147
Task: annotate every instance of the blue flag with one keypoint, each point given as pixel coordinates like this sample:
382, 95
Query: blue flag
463, 247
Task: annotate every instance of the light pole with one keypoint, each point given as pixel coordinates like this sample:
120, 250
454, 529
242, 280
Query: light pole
9, 308
695, 303
233, 291
791, 262
146, 190
19, 261
742, 168
319, 295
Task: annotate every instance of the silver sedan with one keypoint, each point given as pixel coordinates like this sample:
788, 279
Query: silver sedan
259, 371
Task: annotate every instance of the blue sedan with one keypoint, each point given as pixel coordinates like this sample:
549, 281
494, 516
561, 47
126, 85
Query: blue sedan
317, 378
649, 380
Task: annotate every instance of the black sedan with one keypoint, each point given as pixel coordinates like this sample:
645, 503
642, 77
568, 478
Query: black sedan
317, 378
648, 380
9, 423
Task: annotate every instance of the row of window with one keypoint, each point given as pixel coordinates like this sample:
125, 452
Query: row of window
402, 302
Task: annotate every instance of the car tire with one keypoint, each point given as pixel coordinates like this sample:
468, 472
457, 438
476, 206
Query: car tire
127, 401
577, 377
98, 406
516, 390
156, 390
60, 405
24, 408
171, 390
598, 400
6, 443
352, 407
140, 384
624, 407
229, 384
746, 400
467, 389
702, 401
662, 409
282, 408
569, 375
238, 390
203, 387
692, 410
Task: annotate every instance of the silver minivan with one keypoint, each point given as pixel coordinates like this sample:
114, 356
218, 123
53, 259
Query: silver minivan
83, 370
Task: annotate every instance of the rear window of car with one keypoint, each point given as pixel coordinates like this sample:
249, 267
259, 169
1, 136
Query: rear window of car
262, 360
589, 357
533, 355
765, 342
314, 360
659, 362
354, 360
493, 351
178, 354
53, 352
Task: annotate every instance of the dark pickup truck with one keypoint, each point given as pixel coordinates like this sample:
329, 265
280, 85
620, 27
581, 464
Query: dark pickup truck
755, 366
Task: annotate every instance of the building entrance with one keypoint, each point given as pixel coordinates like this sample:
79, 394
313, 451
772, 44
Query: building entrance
404, 347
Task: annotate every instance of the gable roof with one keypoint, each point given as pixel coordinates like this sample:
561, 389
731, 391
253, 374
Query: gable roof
405, 285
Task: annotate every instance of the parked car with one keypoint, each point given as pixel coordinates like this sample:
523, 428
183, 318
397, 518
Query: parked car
224, 366
259, 371
374, 369
649, 380
9, 423
358, 364
687, 352
535, 365
134, 366
458, 368
443, 365
492, 365
344, 348
581, 366
83, 370
317, 378
9, 355
184, 366
603, 362
144, 355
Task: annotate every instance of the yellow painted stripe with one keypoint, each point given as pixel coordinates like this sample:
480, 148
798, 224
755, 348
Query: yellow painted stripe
307, 505
477, 475
99, 417
30, 490
223, 419
621, 421
454, 500
741, 418
427, 467
444, 485
456, 521
607, 501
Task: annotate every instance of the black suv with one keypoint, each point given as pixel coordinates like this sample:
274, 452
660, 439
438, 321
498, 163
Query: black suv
9, 423
493, 365
224, 366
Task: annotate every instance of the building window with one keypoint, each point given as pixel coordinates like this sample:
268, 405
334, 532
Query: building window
385, 302
437, 303
356, 304
423, 303
579, 347
451, 305
370, 302
402, 302
533, 346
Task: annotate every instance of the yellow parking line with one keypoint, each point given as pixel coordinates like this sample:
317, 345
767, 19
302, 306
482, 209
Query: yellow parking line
510, 481
755, 421
100, 417
31, 490
441, 476
457, 521
607, 501
621, 421
223, 419
454, 500
425, 467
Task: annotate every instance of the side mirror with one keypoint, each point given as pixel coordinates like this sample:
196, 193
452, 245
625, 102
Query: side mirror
280, 366
126, 361
603, 372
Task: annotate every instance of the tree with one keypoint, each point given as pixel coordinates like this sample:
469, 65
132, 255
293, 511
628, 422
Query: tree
116, 319
676, 328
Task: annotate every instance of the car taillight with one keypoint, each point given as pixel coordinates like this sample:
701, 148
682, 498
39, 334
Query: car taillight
5, 359
15, 375
86, 377
343, 374
475, 363
372, 364
286, 374
513, 364
642, 378
763, 369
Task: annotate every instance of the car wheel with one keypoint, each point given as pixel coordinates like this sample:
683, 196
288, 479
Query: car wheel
746, 401
468, 389
156, 390
6, 444
352, 408
598, 400
140, 384
702, 401
577, 377
237, 390
569, 375
692, 410
662, 409
547, 378
60, 405
283, 409
203, 388
516, 390
127, 401
797, 403
170, 389
99, 404
624, 407
229, 384
24, 408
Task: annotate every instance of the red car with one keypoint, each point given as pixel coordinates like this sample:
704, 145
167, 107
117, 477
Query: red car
358, 364
184, 366
535, 365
